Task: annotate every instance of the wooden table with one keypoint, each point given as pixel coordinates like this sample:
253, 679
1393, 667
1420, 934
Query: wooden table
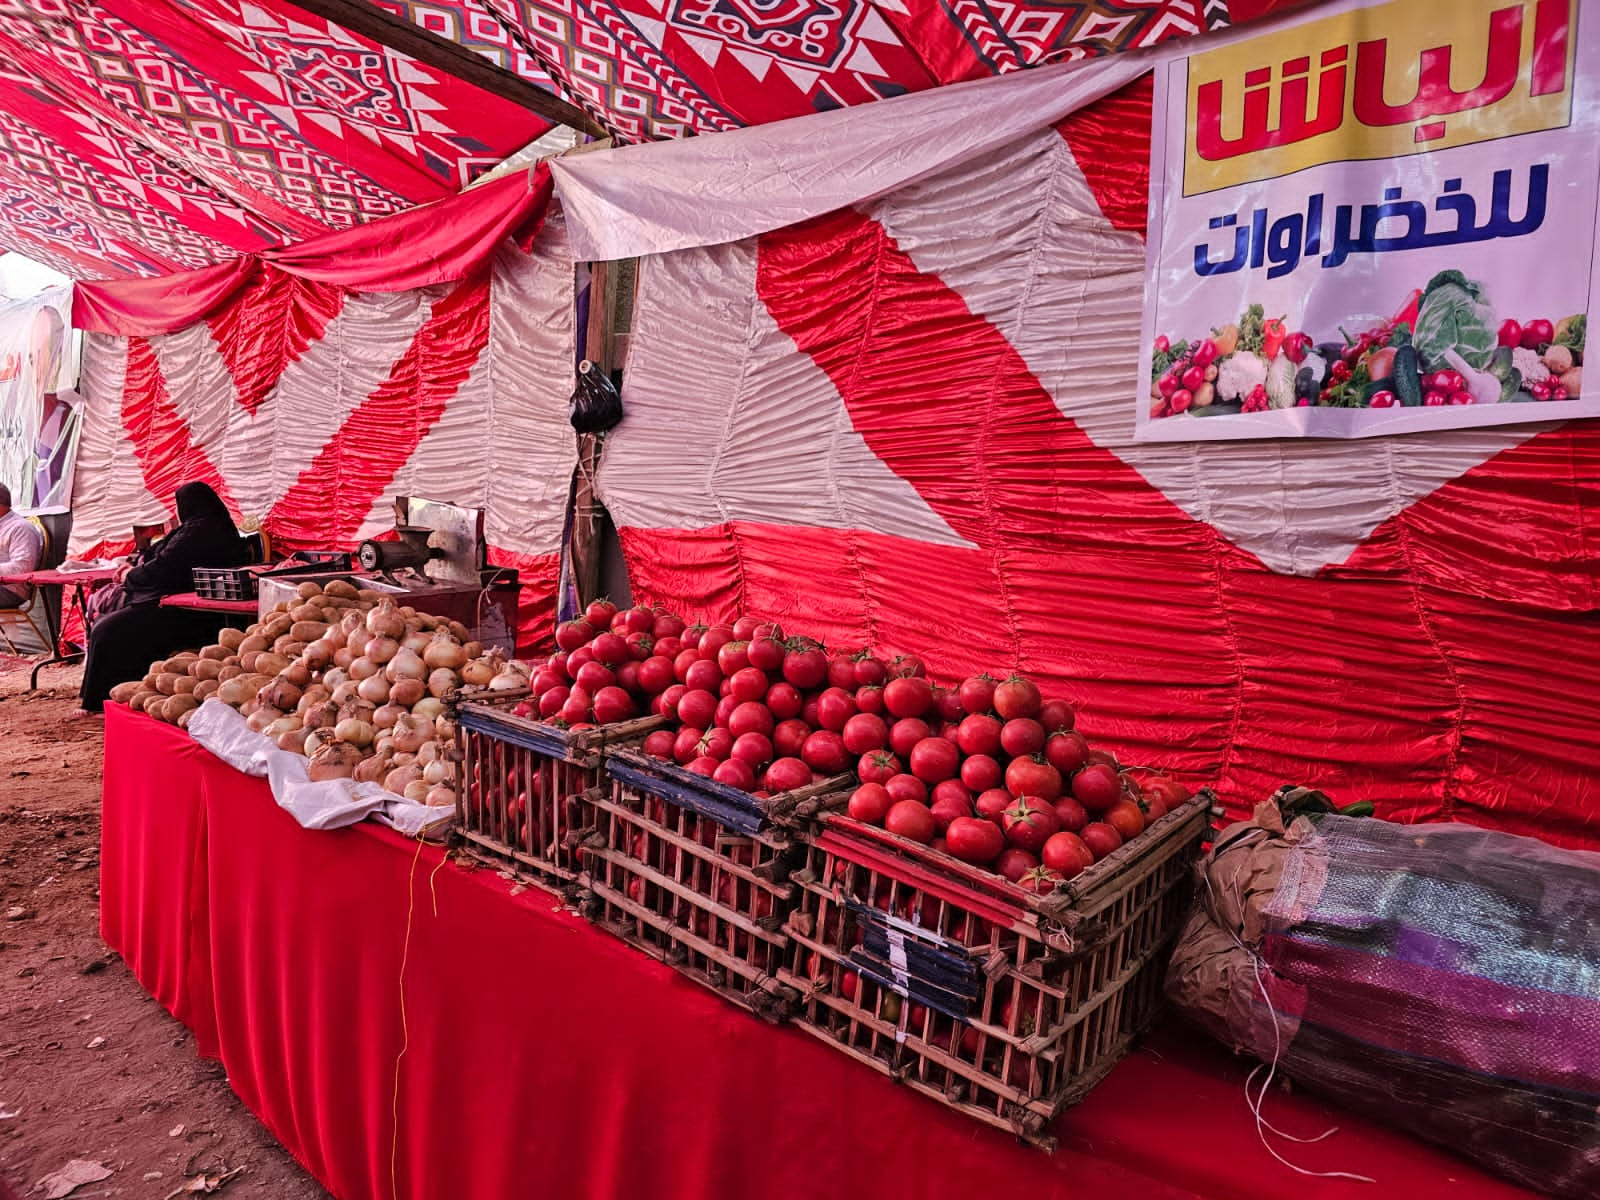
78, 581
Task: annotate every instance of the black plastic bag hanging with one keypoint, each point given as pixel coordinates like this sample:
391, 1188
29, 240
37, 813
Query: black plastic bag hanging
596, 405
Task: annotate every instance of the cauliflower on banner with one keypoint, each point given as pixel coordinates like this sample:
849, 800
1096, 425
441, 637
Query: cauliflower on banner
1240, 374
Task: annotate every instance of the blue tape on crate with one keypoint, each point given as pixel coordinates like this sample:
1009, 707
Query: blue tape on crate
947, 971
947, 1003
725, 805
548, 742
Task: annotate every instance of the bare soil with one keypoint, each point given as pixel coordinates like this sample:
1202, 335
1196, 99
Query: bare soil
90, 1066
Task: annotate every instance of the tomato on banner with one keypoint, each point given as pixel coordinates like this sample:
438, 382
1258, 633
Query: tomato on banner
1376, 219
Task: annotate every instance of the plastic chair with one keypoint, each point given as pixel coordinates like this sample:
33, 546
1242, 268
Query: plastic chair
30, 606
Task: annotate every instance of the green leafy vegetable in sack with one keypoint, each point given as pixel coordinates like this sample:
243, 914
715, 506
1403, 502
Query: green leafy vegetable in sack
1454, 316
1161, 361
1252, 329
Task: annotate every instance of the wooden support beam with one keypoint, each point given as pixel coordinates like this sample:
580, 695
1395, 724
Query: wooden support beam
397, 33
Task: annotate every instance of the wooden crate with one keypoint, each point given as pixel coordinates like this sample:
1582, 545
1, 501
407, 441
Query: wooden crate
1003, 1005
524, 800
696, 874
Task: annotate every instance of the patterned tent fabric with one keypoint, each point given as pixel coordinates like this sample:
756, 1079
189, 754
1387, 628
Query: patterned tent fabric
651, 69
140, 137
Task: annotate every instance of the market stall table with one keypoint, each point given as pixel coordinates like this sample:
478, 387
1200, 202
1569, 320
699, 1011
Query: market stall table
198, 603
408, 1028
56, 577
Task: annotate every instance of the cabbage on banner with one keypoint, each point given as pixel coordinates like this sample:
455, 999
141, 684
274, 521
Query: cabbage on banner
906, 425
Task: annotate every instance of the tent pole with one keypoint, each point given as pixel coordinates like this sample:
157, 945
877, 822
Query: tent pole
397, 33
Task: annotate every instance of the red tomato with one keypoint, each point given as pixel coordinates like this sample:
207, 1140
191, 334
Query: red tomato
635, 620
864, 733
733, 657
754, 748
946, 809
572, 634
577, 658
716, 743
907, 787
1072, 815
1041, 881
669, 647
824, 752
909, 696
947, 704
1020, 736
593, 676
681, 664
714, 639
735, 772
1537, 334
905, 666
610, 649
553, 701
910, 820
992, 803
835, 707
1124, 816
1097, 787
1016, 697
640, 646
659, 743
1031, 777
933, 759
869, 699
703, 674
744, 628
869, 671
869, 803
686, 746
667, 702
765, 654
751, 717
1029, 823
786, 774
1065, 852
725, 708
612, 704
1101, 839
666, 625
1169, 791
977, 694
842, 672
544, 679
628, 678
980, 773
655, 675
1066, 752
704, 765
747, 683
951, 789
1153, 810
906, 733
599, 614
877, 766
788, 736
1014, 863
697, 707
973, 840
805, 669
808, 713
1056, 716
785, 701
979, 734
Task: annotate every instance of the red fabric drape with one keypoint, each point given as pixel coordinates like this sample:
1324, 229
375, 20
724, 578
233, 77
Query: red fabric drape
411, 1029
422, 247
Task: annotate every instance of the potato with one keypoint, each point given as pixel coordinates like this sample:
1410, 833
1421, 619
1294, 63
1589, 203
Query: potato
123, 692
369, 595
229, 671
231, 638
185, 685
307, 631
176, 705
184, 718
276, 627
207, 668
206, 687
282, 644
142, 697
167, 683
253, 644
178, 664
307, 590
213, 654
149, 681
267, 664
341, 589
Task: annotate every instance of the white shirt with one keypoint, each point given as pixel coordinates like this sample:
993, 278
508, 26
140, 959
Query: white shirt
20, 544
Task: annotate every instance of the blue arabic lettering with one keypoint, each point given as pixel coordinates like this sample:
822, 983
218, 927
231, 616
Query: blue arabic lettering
1395, 224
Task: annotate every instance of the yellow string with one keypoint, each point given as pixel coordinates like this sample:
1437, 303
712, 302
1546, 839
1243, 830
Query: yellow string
405, 1030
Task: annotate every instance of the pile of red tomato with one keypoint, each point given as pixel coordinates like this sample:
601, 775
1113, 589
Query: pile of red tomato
989, 771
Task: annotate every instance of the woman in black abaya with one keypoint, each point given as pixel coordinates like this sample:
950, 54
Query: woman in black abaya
137, 630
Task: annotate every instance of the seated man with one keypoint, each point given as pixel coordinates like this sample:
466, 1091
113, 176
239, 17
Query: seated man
20, 544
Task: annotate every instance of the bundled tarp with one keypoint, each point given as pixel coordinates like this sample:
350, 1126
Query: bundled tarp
1440, 978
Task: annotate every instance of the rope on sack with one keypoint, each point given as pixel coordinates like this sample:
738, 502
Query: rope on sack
1257, 1101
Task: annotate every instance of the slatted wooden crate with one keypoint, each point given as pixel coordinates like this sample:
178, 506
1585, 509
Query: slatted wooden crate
696, 874
1004, 1005
524, 800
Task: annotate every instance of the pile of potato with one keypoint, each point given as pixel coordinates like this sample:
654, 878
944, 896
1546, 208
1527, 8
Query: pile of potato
360, 686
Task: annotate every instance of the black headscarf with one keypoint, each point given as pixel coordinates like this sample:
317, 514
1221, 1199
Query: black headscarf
205, 537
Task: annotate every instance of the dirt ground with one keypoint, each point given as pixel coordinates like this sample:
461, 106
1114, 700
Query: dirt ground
91, 1068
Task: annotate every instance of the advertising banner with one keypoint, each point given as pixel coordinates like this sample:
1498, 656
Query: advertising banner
40, 413
1374, 218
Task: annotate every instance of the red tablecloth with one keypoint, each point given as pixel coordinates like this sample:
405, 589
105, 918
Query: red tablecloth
191, 600
413, 1032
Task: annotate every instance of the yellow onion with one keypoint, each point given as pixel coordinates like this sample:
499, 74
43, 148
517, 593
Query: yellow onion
406, 664
401, 778
439, 795
298, 673
318, 654
415, 640
364, 668
386, 621
374, 689
438, 771
442, 650
336, 760
407, 691
345, 691
282, 726
411, 732
281, 694
372, 769
508, 680
263, 716
480, 671
429, 708
430, 751
381, 649
355, 731
294, 740
416, 790
442, 681
444, 729
387, 715
321, 716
